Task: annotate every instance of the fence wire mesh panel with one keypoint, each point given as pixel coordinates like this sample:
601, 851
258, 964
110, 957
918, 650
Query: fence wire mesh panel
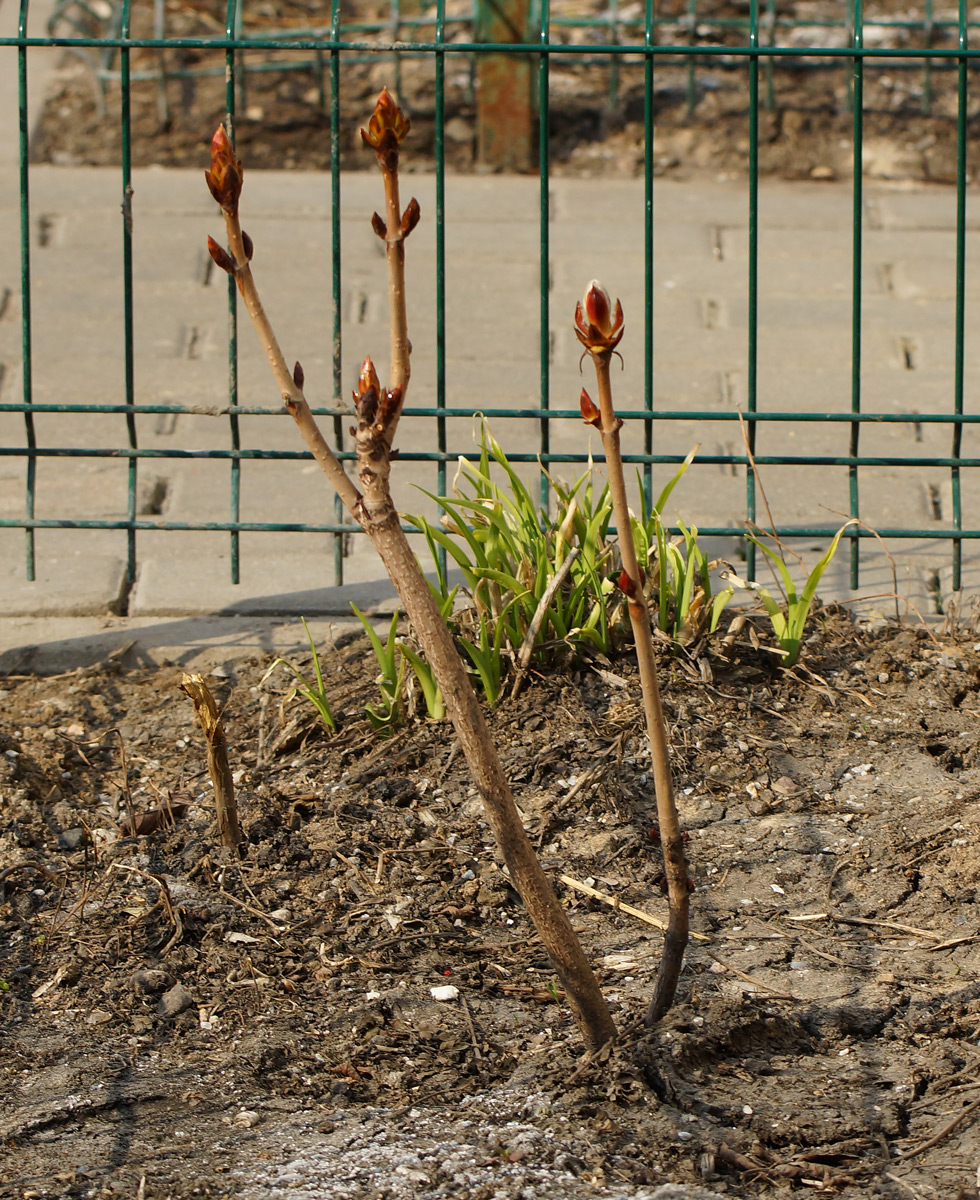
777, 192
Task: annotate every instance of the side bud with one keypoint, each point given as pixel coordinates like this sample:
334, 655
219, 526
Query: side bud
221, 256
590, 414
248, 246
410, 217
299, 377
626, 585
379, 227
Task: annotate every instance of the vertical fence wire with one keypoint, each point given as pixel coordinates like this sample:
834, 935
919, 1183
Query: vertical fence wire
857, 250
25, 291
544, 162
336, 280
440, 155
125, 97
648, 255
960, 319
749, 427
232, 23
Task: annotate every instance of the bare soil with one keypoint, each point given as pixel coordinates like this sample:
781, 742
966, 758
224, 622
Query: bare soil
701, 124
179, 1021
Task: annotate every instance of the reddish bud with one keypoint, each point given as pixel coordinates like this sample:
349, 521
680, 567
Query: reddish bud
299, 377
379, 227
368, 380
221, 256
387, 127
225, 177
598, 324
410, 217
590, 414
626, 585
247, 246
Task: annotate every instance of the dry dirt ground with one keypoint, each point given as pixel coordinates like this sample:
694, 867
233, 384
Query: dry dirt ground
178, 1021
805, 131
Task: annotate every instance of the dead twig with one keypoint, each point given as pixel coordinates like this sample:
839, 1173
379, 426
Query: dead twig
165, 900
620, 906
936, 1138
762, 987
534, 628
226, 809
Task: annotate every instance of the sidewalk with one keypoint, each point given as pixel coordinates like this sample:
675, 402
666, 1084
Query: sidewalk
700, 323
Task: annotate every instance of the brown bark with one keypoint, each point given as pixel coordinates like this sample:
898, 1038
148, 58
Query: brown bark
226, 808
671, 837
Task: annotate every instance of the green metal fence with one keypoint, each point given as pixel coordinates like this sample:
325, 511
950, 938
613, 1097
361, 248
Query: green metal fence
699, 41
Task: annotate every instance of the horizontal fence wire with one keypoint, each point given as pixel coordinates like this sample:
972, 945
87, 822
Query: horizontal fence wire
696, 39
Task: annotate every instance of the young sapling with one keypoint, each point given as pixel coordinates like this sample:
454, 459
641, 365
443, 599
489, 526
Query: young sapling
369, 501
599, 327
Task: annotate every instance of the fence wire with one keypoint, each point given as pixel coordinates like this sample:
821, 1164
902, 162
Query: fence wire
644, 51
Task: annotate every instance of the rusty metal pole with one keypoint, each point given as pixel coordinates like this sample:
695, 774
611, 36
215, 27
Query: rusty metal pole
505, 106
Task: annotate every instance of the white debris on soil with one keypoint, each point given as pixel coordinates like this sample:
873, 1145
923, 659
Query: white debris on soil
426, 1154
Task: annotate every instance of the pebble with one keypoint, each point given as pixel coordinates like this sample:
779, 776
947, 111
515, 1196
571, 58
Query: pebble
175, 1001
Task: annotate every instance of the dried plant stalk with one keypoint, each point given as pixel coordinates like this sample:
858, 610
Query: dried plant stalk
378, 411
599, 328
229, 829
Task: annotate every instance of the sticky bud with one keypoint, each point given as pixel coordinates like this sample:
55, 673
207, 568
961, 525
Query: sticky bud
626, 585
590, 414
598, 323
410, 217
225, 177
299, 377
221, 256
388, 124
379, 227
248, 246
367, 380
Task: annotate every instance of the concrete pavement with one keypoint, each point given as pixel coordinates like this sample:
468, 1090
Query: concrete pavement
492, 340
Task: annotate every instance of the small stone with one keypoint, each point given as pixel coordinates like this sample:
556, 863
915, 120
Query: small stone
151, 981
827, 173
175, 1001
98, 1016
73, 839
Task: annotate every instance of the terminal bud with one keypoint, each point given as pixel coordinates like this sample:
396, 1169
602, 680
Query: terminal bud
387, 127
225, 177
598, 325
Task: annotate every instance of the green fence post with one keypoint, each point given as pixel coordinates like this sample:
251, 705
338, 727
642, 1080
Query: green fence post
504, 105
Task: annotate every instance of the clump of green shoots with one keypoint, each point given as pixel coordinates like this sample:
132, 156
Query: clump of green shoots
789, 618
314, 690
678, 572
528, 574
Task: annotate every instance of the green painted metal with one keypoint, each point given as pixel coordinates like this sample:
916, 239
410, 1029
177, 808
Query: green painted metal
27, 352
751, 46
857, 272
544, 246
752, 350
960, 318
